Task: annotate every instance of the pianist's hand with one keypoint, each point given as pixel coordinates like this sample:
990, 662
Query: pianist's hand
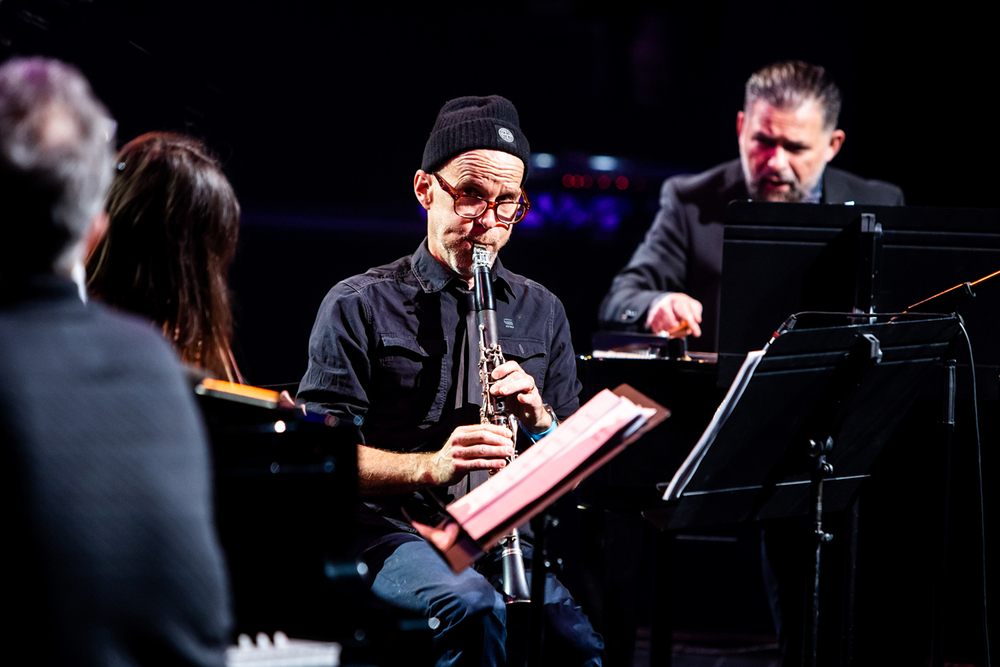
669, 310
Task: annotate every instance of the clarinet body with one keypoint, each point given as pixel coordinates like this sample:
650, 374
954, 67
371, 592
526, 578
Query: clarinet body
494, 411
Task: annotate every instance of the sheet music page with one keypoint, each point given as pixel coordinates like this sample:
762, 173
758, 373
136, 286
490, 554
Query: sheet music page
622, 415
462, 508
596, 433
547, 472
736, 389
544, 465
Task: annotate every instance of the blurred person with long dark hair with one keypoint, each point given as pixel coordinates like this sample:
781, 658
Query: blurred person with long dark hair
173, 222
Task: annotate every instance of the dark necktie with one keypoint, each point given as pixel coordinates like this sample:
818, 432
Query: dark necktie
468, 390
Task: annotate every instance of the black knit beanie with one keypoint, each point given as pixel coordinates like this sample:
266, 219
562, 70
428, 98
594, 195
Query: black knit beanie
471, 123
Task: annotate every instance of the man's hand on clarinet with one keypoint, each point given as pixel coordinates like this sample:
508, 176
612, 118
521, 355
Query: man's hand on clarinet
468, 448
512, 380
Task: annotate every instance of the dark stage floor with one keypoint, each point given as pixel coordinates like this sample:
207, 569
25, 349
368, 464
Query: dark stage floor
713, 651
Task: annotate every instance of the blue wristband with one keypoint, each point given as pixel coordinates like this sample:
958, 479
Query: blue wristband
535, 437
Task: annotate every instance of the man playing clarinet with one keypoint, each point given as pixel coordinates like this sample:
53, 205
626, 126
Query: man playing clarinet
395, 351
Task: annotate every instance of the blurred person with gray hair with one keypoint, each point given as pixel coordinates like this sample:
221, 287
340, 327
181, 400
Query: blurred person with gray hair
112, 554
787, 134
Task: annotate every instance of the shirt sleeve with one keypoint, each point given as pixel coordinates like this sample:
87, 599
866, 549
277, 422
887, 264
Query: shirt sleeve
659, 265
562, 387
339, 368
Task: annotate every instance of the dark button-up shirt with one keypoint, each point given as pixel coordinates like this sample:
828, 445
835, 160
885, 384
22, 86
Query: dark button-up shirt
385, 354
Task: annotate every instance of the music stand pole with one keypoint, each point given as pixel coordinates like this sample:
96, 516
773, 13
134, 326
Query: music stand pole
948, 423
540, 566
818, 451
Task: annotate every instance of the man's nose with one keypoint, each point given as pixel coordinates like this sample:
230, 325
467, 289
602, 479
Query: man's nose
489, 220
778, 160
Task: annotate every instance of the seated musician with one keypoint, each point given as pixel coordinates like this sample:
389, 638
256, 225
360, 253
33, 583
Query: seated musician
110, 551
392, 352
173, 220
787, 133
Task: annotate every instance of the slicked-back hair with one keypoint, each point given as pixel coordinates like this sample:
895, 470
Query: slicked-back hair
56, 144
790, 84
173, 225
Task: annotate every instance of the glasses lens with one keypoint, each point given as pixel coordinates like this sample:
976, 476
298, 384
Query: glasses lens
470, 207
510, 211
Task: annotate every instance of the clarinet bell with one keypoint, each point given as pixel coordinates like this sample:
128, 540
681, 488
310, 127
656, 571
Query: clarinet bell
515, 583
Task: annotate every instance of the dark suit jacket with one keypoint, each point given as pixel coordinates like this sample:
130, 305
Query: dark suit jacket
110, 546
682, 251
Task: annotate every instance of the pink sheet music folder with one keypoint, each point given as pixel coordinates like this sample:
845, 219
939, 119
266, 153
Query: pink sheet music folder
596, 433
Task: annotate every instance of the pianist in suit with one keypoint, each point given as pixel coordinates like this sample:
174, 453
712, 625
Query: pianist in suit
110, 553
787, 133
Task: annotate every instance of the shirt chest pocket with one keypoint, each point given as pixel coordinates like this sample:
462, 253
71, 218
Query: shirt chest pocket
531, 354
409, 377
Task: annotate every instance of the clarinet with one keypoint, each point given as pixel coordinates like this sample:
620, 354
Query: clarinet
494, 411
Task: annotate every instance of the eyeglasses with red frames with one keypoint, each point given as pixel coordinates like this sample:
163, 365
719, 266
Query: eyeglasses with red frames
471, 207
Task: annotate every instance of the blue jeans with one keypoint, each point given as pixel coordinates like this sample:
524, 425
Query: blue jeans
471, 626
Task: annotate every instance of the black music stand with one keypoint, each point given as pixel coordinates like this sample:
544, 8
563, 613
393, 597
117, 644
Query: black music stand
803, 423
859, 259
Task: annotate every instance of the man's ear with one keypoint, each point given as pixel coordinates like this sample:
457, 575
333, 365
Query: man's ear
836, 141
423, 188
98, 228
740, 118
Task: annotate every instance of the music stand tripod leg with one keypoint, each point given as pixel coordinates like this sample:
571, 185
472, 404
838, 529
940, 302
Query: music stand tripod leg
941, 579
818, 450
540, 568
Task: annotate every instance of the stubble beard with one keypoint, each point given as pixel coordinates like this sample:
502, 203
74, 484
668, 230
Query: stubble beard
758, 192
459, 258
795, 194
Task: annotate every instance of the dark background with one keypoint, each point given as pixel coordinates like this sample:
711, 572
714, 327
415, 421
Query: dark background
319, 113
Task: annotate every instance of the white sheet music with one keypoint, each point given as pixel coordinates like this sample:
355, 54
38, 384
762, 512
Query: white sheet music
693, 460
